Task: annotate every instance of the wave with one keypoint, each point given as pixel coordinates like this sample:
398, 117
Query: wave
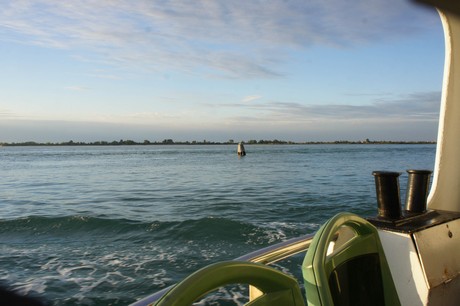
203, 233
79, 222
75, 259
68, 224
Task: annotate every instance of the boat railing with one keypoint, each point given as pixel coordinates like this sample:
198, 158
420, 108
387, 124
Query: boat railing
279, 251
266, 256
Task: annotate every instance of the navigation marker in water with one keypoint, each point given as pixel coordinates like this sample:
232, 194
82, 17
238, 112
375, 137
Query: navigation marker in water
241, 151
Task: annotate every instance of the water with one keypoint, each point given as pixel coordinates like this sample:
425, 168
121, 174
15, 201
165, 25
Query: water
109, 225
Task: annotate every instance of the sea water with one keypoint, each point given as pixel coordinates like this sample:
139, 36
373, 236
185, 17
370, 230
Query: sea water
108, 225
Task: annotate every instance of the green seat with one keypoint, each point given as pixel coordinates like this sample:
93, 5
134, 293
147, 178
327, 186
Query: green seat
346, 265
277, 287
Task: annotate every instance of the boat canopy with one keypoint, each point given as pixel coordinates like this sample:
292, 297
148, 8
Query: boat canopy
445, 192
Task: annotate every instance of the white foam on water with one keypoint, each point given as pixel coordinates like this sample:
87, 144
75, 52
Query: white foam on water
50, 264
276, 231
36, 285
68, 271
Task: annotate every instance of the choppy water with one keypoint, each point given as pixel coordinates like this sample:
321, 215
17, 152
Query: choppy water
109, 225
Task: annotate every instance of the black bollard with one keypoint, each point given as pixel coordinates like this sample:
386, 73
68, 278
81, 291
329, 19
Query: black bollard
388, 198
417, 190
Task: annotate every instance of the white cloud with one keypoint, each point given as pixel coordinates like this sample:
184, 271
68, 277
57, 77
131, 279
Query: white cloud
226, 38
251, 98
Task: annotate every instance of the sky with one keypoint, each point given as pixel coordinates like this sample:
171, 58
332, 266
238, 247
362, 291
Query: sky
215, 70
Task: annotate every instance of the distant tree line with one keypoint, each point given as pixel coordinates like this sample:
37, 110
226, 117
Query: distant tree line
128, 142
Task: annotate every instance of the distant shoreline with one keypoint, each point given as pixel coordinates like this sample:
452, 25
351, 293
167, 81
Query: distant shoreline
171, 142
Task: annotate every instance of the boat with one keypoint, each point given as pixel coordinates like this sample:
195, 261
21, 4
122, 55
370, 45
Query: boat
401, 256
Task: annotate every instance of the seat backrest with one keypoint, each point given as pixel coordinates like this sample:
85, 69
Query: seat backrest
277, 288
346, 265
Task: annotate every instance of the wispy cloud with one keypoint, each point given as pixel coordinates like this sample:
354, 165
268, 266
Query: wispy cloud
225, 38
77, 88
5, 113
251, 98
413, 107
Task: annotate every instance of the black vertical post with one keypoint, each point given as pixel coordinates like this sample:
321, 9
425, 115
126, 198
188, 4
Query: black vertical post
417, 190
388, 197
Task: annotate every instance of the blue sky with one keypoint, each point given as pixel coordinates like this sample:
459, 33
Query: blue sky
218, 70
